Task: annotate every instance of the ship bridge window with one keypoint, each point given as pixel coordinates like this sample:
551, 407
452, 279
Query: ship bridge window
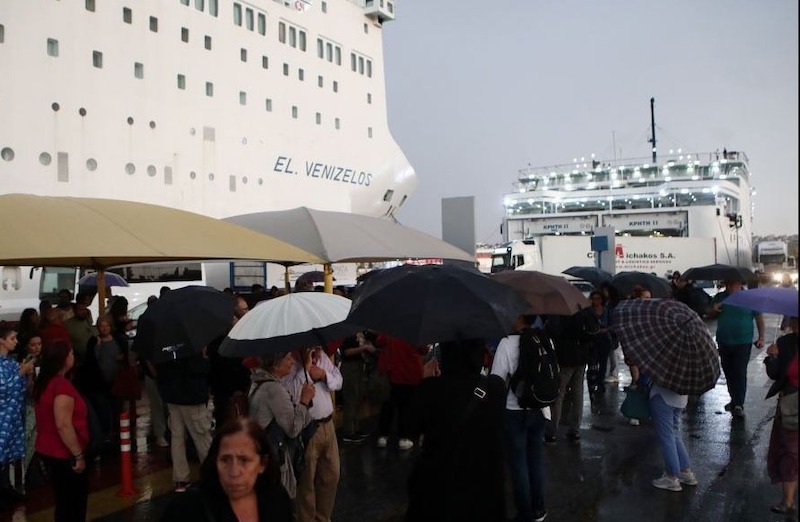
199, 5
185, 2
209, 89
97, 59
282, 32
52, 47
138, 70
154, 24
90, 5
237, 14
387, 196
127, 15
184, 34
248, 19
213, 8
181, 82
262, 24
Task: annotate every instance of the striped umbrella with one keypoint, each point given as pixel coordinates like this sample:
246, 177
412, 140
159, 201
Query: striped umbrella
669, 342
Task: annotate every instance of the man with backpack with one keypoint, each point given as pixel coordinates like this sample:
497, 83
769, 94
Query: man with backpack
526, 362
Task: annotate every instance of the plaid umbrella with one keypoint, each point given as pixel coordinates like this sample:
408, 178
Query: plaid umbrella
669, 342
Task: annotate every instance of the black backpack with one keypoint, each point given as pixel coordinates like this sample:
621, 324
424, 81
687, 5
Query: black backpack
536, 381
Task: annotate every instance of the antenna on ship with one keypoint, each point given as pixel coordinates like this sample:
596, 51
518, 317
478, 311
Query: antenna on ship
653, 127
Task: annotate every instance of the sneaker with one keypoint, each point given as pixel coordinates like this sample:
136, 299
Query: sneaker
383, 441
574, 438
405, 444
161, 442
667, 483
738, 411
353, 438
634, 422
181, 487
729, 406
550, 440
687, 477
539, 516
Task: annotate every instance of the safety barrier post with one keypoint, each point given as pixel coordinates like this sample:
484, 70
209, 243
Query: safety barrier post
125, 465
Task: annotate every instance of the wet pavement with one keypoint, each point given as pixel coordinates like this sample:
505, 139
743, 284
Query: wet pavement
605, 478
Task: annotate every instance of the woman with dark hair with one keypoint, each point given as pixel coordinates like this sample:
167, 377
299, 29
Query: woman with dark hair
27, 327
62, 432
459, 474
12, 396
239, 480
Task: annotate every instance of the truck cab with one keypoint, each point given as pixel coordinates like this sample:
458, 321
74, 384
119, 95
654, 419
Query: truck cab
517, 255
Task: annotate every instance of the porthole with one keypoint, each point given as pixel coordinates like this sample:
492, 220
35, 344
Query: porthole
130, 120
152, 125
45, 158
244, 180
192, 132
260, 181
210, 176
7, 153
192, 175
82, 111
55, 107
244, 141
151, 171
130, 168
91, 165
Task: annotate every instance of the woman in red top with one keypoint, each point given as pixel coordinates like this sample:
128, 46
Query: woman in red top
62, 432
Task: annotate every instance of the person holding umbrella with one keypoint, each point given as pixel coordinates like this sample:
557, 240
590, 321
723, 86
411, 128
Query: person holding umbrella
734, 337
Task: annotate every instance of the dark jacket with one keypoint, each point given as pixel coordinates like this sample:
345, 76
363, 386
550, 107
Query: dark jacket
199, 505
460, 472
573, 337
777, 366
183, 381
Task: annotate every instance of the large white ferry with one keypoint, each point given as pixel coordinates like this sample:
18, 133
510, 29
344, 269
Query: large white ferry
219, 107
678, 194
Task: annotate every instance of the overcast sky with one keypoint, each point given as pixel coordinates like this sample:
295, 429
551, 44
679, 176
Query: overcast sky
479, 89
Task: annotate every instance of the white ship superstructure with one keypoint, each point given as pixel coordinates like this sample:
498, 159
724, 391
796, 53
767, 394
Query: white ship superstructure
215, 106
680, 195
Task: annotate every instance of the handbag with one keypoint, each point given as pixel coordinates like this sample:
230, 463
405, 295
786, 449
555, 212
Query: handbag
126, 385
637, 403
788, 408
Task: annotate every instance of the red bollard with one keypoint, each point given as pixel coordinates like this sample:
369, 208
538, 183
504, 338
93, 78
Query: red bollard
125, 465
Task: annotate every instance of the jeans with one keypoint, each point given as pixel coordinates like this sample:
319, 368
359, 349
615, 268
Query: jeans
524, 433
667, 421
570, 388
734, 363
400, 399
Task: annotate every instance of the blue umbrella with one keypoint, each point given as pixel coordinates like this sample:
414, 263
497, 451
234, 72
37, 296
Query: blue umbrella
767, 299
112, 279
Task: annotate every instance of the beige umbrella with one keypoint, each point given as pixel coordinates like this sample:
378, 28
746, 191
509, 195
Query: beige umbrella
100, 233
340, 237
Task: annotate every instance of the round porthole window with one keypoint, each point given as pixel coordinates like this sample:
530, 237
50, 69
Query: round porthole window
55, 107
130, 120
7, 153
192, 132
82, 111
151, 171
260, 181
130, 168
152, 125
91, 165
45, 158
192, 175
211, 176
244, 180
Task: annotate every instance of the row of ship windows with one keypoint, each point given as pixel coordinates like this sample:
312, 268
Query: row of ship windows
138, 68
287, 34
213, 6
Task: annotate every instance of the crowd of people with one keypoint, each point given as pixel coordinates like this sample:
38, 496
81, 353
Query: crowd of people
269, 447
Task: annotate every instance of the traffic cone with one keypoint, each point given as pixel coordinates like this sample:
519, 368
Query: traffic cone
125, 465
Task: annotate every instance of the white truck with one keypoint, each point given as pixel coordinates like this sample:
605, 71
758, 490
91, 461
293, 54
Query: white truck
554, 254
774, 264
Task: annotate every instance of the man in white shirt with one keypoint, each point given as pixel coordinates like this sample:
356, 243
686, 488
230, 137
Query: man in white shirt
524, 434
316, 488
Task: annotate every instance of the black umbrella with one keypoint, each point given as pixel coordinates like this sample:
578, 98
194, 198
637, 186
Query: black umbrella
314, 276
428, 303
625, 281
182, 323
589, 273
718, 272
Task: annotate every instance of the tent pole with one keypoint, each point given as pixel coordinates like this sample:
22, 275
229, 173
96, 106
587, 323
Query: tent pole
328, 271
101, 292
286, 279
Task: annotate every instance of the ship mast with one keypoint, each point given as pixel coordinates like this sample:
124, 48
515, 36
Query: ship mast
653, 127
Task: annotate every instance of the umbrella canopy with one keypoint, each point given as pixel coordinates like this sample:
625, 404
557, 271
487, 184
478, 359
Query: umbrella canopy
289, 322
366, 275
625, 281
767, 299
314, 276
112, 279
340, 237
428, 303
546, 294
96, 233
182, 322
718, 272
589, 273
669, 342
